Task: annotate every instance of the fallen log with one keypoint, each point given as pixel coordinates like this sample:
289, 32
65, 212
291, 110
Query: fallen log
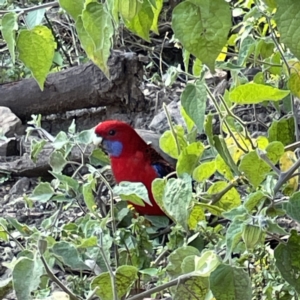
79, 87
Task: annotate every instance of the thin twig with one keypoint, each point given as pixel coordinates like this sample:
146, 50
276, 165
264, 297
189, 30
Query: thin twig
33, 8
113, 221
57, 281
112, 275
162, 287
265, 158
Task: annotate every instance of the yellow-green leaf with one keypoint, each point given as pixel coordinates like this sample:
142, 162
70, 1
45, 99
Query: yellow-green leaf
294, 84
229, 200
36, 50
204, 171
252, 93
189, 158
168, 144
142, 22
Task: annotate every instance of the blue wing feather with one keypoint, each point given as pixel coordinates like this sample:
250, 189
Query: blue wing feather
161, 167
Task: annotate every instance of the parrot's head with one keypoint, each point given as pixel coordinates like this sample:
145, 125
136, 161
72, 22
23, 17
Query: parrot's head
117, 138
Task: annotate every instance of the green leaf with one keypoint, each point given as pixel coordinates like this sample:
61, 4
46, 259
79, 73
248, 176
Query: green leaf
274, 151
72, 7
99, 158
208, 128
3, 233
252, 93
128, 9
229, 200
113, 8
156, 8
135, 192
246, 49
193, 100
177, 198
60, 140
36, 50
229, 282
125, 277
176, 258
142, 22
206, 263
8, 27
27, 276
158, 188
204, 171
89, 242
69, 255
270, 3
168, 144
196, 215
35, 149
43, 192
233, 235
275, 59
188, 121
294, 84
293, 207
254, 168
211, 20
197, 67
189, 158
35, 17
253, 200
282, 131
287, 257
223, 168
264, 48
85, 137
57, 161
213, 209
274, 228
67, 180
222, 149
288, 23
96, 43
22, 228
194, 288
88, 196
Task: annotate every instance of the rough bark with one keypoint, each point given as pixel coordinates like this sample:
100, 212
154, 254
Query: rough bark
79, 87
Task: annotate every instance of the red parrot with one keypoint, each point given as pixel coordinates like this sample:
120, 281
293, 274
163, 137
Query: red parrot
132, 159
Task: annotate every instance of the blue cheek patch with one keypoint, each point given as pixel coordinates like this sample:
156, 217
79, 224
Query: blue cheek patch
114, 148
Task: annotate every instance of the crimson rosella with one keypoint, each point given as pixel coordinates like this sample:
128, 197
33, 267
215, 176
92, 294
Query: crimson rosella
132, 159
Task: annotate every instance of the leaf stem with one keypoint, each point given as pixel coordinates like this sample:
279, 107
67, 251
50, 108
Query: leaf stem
177, 281
113, 221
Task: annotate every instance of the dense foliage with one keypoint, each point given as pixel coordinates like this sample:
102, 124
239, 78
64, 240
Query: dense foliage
229, 191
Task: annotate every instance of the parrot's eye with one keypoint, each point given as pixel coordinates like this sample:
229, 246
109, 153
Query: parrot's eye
112, 132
